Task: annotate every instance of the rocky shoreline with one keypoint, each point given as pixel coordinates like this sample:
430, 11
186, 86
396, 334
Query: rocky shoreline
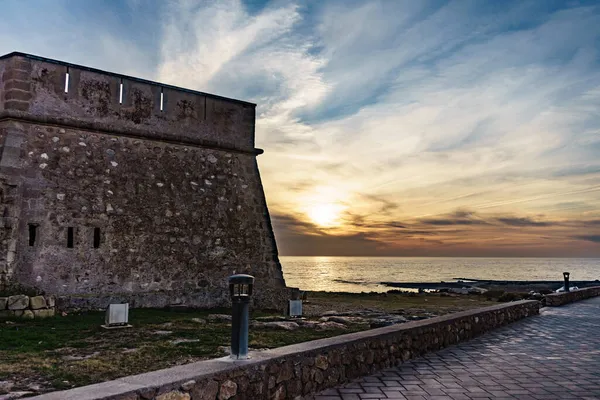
486, 284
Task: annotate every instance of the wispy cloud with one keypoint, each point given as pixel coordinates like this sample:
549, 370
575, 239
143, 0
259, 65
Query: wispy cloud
591, 238
397, 113
522, 222
446, 222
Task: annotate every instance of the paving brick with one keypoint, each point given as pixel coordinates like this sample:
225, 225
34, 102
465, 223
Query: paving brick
540, 358
351, 390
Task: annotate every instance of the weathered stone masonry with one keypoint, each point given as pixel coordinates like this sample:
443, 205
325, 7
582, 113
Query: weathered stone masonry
116, 185
26, 307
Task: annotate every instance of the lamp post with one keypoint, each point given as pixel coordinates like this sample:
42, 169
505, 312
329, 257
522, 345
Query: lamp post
240, 289
566, 276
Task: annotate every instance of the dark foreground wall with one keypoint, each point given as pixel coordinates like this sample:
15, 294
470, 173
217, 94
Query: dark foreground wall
294, 371
115, 185
558, 299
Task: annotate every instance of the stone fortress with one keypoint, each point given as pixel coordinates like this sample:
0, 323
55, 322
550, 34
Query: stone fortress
114, 188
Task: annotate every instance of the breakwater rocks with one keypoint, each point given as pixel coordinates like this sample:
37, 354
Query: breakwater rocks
22, 306
292, 372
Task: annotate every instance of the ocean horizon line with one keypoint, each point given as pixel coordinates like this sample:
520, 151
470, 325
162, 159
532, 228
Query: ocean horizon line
482, 257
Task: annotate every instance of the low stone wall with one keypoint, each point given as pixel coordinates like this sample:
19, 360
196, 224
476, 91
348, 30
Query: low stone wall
558, 299
268, 298
22, 306
292, 372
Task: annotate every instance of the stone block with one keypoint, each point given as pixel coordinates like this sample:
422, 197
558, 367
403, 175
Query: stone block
205, 391
37, 302
321, 362
19, 85
17, 95
18, 302
131, 396
147, 393
14, 74
16, 105
280, 393
174, 395
6, 387
50, 301
27, 314
3, 303
228, 390
46, 313
19, 63
189, 385
5, 314
219, 318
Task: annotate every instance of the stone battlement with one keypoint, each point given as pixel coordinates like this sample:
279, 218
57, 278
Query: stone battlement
58, 93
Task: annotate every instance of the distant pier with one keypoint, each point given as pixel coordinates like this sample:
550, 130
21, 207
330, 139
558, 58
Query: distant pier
459, 283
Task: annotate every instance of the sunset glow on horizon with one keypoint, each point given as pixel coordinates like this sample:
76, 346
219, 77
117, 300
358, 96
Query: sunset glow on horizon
324, 215
406, 128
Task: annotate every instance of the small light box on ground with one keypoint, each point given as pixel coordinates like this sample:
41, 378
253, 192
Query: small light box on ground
117, 316
295, 308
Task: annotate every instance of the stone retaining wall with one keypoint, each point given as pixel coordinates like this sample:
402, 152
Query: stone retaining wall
292, 372
265, 299
27, 307
559, 299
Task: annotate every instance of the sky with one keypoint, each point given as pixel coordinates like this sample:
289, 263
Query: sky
390, 128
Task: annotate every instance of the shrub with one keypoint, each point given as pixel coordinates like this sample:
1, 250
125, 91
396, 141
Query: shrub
493, 294
508, 296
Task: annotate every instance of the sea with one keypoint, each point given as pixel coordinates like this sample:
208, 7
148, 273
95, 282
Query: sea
365, 274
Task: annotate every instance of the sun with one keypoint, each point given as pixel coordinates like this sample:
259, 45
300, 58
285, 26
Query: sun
325, 215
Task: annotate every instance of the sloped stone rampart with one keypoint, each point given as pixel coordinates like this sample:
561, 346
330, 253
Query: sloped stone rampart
293, 372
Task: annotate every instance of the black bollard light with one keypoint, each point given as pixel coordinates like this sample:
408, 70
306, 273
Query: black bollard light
240, 288
566, 275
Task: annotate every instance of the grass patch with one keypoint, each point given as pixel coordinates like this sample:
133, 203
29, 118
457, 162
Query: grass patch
73, 350
64, 352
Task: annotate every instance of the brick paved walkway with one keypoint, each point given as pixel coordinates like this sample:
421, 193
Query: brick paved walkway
552, 356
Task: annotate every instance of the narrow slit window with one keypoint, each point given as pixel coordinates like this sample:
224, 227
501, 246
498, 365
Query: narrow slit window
162, 100
67, 81
121, 92
32, 234
70, 237
96, 238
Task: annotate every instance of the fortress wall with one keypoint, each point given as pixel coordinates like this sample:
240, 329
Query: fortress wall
171, 217
128, 198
